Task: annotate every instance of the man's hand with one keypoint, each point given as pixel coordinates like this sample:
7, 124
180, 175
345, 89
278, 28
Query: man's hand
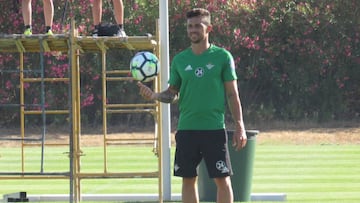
239, 138
146, 92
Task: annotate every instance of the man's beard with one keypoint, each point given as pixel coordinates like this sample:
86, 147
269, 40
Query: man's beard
197, 40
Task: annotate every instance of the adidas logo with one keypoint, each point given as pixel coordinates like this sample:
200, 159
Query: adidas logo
188, 68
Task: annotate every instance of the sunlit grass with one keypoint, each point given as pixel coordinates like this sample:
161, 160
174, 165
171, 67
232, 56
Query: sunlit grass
310, 173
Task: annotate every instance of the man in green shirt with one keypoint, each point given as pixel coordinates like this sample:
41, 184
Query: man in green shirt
202, 79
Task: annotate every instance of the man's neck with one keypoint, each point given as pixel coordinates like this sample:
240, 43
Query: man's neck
199, 48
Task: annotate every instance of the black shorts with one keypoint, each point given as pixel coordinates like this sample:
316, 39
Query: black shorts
193, 145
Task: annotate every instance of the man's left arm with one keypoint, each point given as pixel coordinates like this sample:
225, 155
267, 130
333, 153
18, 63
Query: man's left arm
233, 100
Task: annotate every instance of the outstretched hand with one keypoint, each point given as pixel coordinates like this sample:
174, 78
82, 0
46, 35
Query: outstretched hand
145, 91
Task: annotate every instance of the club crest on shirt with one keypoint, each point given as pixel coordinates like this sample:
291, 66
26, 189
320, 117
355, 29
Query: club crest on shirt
209, 66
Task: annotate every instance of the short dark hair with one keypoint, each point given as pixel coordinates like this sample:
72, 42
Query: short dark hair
196, 12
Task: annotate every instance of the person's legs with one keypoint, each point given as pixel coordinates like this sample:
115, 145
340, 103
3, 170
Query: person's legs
96, 11
224, 190
48, 12
187, 157
26, 11
48, 15
119, 11
217, 159
189, 190
119, 16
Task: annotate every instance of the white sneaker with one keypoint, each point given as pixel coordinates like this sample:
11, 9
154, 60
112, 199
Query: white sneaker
121, 33
95, 32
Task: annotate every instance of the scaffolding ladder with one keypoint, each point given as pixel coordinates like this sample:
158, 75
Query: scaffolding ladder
35, 44
74, 45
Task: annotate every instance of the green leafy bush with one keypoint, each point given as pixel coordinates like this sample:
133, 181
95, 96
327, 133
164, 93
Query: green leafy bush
296, 59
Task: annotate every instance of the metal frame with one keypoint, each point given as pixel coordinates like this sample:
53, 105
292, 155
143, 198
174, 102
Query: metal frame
74, 45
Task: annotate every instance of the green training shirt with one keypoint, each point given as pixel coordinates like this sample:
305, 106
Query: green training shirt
200, 81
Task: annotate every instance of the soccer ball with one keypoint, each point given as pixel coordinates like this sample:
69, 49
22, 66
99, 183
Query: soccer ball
144, 66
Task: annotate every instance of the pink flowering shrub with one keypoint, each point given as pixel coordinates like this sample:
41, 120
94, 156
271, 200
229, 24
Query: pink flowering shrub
301, 58
296, 59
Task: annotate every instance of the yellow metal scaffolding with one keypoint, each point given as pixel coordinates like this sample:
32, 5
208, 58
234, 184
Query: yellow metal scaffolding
74, 45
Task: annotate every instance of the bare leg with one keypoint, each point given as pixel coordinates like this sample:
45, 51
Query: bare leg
224, 190
26, 11
119, 11
97, 11
48, 12
189, 191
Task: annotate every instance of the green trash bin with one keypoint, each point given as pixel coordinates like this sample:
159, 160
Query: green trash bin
242, 164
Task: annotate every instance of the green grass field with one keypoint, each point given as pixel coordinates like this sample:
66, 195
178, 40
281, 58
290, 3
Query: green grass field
305, 173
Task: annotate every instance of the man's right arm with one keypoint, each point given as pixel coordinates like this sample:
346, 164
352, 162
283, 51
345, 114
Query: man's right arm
170, 95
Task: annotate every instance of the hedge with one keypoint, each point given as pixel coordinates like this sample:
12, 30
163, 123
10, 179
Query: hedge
296, 60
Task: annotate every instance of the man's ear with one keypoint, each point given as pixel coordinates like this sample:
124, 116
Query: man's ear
209, 28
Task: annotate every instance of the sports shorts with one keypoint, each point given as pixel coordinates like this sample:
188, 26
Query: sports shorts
194, 145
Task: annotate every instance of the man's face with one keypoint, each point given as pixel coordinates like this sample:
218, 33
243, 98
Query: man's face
197, 30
